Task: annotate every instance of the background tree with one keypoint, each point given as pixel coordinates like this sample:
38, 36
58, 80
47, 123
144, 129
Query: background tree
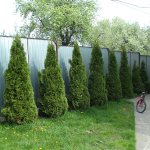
62, 20
79, 95
125, 76
19, 97
138, 86
97, 85
113, 80
147, 44
111, 34
52, 100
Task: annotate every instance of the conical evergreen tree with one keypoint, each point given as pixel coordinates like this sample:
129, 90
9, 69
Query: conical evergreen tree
79, 95
113, 80
20, 106
143, 75
125, 77
97, 85
52, 100
138, 85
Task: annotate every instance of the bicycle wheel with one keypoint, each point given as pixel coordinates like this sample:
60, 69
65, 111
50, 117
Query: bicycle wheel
140, 106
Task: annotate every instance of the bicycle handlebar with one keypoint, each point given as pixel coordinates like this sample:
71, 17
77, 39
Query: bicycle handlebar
143, 94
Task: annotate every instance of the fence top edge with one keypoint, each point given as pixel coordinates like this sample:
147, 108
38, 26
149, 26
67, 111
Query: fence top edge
128, 52
24, 37
69, 45
83, 46
146, 55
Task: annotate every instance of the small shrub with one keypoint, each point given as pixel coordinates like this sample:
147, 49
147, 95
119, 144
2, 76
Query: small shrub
20, 106
79, 97
113, 80
52, 100
138, 86
97, 85
125, 76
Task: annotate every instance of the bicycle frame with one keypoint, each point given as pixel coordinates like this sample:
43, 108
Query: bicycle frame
141, 104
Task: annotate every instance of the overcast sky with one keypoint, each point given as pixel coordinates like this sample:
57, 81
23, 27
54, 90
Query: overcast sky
9, 19
132, 12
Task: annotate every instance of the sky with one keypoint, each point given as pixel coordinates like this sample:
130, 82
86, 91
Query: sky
129, 12
108, 9
9, 19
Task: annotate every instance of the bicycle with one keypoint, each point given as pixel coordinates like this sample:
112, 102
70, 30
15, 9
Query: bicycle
141, 104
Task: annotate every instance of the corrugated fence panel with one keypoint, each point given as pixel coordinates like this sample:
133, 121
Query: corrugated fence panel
148, 66
118, 58
135, 57
105, 55
37, 53
129, 59
65, 54
5, 44
143, 58
24, 42
86, 57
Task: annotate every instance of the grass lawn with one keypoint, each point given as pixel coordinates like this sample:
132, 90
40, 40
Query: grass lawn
98, 128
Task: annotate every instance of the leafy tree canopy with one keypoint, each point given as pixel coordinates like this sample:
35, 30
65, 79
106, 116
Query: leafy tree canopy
112, 34
61, 20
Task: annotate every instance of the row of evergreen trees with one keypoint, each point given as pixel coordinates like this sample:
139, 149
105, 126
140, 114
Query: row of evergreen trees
123, 83
20, 106
140, 79
119, 81
83, 92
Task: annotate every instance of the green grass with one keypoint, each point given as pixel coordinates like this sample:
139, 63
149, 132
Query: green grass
99, 128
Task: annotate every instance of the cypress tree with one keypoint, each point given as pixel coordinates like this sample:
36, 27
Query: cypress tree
147, 87
97, 85
79, 96
143, 75
52, 100
113, 80
125, 77
20, 106
138, 86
